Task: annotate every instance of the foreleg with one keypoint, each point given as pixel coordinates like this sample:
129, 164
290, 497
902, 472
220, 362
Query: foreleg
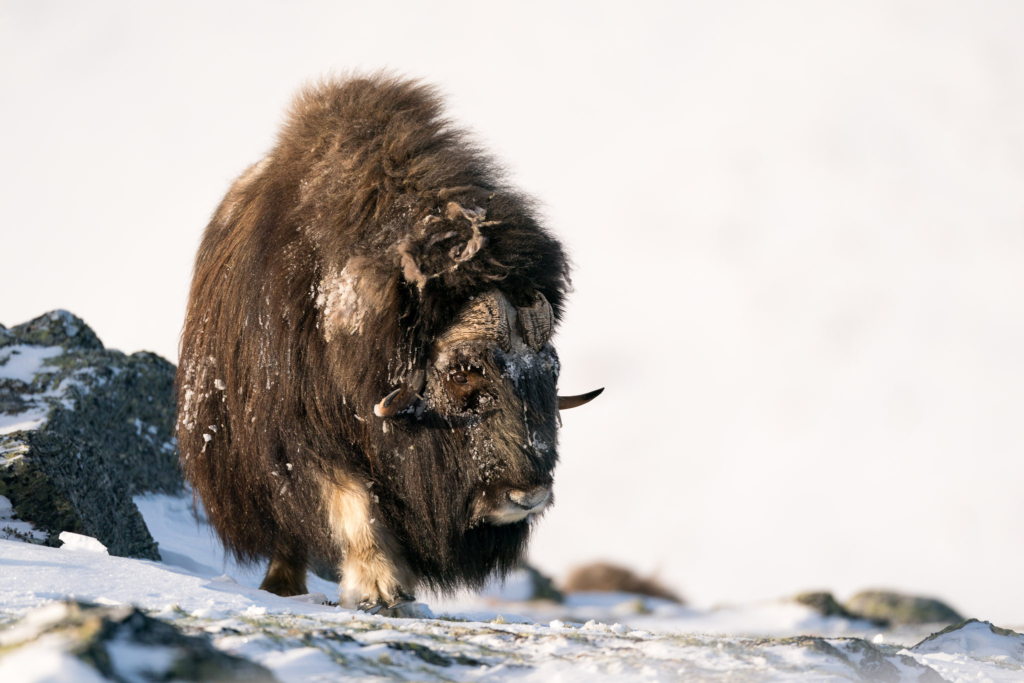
374, 576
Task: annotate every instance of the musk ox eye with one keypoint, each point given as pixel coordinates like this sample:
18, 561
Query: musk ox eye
464, 384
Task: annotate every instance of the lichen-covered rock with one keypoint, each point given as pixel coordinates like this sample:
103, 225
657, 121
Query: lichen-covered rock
122, 644
82, 430
896, 609
823, 603
56, 328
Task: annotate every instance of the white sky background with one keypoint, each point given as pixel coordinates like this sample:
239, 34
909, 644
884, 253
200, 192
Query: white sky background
798, 230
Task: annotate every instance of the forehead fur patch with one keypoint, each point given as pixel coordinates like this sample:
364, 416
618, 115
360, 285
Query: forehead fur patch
488, 316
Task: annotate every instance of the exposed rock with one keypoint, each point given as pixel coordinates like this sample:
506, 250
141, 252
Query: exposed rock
975, 636
823, 603
543, 587
865, 661
525, 583
56, 328
964, 651
123, 644
605, 577
82, 430
896, 609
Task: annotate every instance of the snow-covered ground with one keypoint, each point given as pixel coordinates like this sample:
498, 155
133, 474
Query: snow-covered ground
492, 637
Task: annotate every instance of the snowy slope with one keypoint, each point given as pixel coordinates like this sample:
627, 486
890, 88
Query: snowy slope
488, 638
300, 641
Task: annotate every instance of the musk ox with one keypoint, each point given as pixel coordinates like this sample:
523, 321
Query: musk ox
367, 381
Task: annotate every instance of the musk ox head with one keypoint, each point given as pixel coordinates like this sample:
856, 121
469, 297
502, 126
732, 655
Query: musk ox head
492, 376
465, 435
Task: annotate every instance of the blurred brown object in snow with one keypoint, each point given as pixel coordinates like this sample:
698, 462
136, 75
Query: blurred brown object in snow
608, 578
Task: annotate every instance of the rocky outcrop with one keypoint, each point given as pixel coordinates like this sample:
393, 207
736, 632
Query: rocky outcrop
82, 430
120, 644
978, 636
542, 585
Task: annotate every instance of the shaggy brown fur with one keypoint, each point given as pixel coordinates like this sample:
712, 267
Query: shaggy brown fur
604, 577
322, 283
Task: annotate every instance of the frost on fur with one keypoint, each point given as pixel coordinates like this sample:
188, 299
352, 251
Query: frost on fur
340, 304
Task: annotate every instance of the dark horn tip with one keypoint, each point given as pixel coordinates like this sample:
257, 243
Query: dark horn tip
384, 408
567, 402
391, 397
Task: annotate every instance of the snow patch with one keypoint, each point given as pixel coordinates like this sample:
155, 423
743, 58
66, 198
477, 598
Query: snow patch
47, 662
23, 362
73, 541
24, 422
298, 665
14, 529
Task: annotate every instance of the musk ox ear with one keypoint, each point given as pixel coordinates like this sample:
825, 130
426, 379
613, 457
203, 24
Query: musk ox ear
440, 243
536, 322
348, 295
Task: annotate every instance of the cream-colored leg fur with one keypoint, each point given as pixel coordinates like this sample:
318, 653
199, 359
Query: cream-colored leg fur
373, 575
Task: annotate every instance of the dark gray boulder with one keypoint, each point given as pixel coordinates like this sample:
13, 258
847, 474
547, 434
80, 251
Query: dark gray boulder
824, 603
542, 585
896, 609
82, 430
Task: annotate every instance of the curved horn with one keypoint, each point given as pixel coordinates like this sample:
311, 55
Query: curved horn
536, 322
566, 402
398, 400
402, 398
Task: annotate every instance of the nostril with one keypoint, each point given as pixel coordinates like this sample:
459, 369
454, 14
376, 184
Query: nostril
530, 499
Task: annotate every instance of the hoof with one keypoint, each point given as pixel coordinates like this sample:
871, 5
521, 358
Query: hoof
378, 604
400, 598
370, 606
